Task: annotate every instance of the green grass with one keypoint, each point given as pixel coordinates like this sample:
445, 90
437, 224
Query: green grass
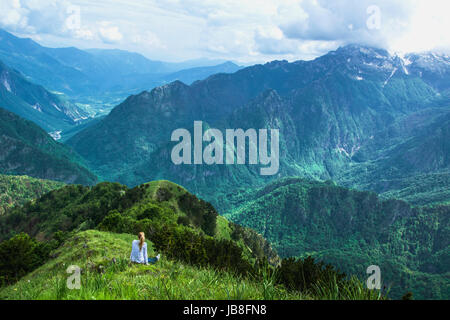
223, 228
101, 278
107, 274
353, 290
175, 189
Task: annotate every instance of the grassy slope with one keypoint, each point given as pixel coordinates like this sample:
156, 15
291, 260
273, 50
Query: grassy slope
103, 256
223, 230
94, 251
80, 208
16, 190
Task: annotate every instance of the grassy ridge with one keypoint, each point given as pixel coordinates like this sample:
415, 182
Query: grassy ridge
93, 251
201, 250
107, 274
118, 208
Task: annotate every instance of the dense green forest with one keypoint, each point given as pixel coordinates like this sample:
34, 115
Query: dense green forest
26, 149
345, 228
352, 230
16, 190
422, 189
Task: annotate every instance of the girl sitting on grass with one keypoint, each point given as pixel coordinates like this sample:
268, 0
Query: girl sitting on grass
139, 251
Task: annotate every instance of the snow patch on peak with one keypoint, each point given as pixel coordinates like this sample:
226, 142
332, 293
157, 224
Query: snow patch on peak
6, 84
56, 135
343, 151
56, 107
405, 70
79, 118
390, 77
37, 107
406, 61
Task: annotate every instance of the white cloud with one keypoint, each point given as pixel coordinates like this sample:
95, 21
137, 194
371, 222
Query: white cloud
272, 41
413, 25
109, 33
13, 15
250, 30
312, 27
148, 39
345, 21
427, 29
34, 17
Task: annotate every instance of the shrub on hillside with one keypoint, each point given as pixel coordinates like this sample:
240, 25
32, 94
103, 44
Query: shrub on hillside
184, 221
150, 212
181, 243
201, 213
188, 246
132, 196
116, 222
163, 194
305, 275
20, 255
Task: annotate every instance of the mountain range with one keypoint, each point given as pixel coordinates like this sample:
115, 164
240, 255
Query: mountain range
361, 130
35, 103
97, 78
26, 149
338, 115
360, 116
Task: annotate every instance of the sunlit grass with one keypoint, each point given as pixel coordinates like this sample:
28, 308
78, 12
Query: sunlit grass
107, 274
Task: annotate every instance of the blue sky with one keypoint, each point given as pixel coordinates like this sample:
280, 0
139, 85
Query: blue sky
240, 30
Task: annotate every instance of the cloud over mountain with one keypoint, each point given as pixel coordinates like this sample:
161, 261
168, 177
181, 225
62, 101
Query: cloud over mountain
240, 30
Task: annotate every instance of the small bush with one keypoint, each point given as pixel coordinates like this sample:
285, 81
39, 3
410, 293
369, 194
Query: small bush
116, 222
151, 212
20, 255
163, 194
305, 274
408, 296
201, 213
184, 221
